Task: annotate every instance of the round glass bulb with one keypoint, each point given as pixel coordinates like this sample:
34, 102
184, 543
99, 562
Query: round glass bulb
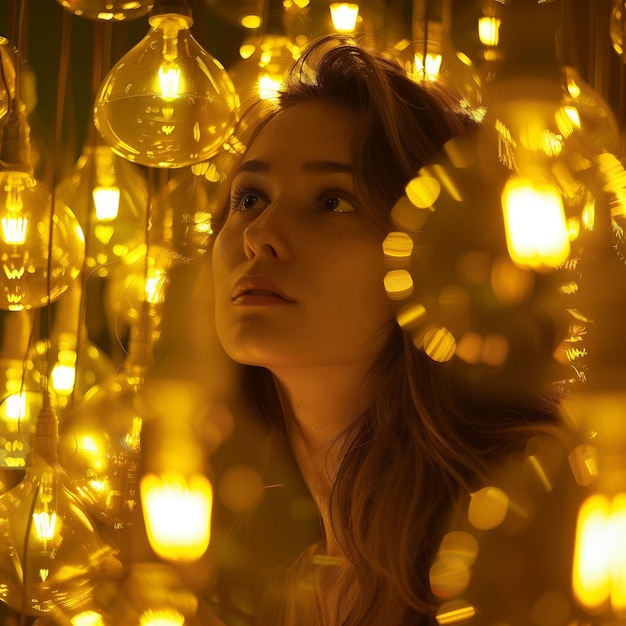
25, 207
108, 10
167, 103
108, 195
51, 554
99, 445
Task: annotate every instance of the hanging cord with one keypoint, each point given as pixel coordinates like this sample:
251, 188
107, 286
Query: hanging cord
65, 55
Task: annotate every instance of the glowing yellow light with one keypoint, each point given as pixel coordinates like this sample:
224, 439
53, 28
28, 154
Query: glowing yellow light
15, 406
269, 87
397, 245
251, 21
454, 612
178, 514
14, 229
45, 524
423, 191
398, 284
163, 617
488, 508
62, 378
169, 80
536, 230
106, 202
87, 618
599, 571
430, 68
344, 16
489, 31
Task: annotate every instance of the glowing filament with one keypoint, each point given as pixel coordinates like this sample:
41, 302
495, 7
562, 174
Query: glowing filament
164, 617
14, 229
489, 31
106, 201
178, 514
429, 69
599, 571
45, 525
536, 230
169, 81
344, 16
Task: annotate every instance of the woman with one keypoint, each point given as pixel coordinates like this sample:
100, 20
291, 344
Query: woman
385, 439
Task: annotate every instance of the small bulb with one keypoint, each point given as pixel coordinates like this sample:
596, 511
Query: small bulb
344, 16
536, 230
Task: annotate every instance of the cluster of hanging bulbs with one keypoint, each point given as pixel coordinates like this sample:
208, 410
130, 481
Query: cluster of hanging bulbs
168, 104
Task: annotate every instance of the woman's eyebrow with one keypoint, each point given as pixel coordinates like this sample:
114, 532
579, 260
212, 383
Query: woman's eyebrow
253, 165
327, 167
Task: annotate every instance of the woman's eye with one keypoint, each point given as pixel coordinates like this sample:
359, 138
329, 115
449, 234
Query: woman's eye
337, 204
245, 201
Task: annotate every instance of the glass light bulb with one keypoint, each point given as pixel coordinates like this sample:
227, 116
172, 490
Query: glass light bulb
25, 208
263, 72
108, 10
167, 102
51, 553
536, 230
344, 16
109, 195
177, 512
70, 366
99, 446
7, 76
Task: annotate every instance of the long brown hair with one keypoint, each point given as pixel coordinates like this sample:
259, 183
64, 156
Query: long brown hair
422, 441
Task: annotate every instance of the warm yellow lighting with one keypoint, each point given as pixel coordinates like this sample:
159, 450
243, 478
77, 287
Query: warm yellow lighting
489, 31
269, 87
106, 202
599, 571
45, 524
177, 511
344, 16
536, 230
430, 68
15, 406
398, 284
174, 110
251, 21
169, 81
162, 617
63, 378
87, 618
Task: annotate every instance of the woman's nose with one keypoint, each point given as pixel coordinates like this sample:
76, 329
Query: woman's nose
266, 235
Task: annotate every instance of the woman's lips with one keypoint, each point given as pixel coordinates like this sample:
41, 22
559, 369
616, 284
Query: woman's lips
258, 289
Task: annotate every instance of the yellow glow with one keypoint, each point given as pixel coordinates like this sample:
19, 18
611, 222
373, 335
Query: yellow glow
397, 245
344, 16
163, 617
269, 87
423, 191
87, 618
251, 21
178, 514
454, 612
488, 508
169, 80
429, 69
155, 283
106, 201
536, 230
489, 31
63, 378
14, 229
398, 284
599, 570
45, 524
15, 406
439, 344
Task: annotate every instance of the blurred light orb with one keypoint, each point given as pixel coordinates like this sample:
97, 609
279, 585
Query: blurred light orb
108, 10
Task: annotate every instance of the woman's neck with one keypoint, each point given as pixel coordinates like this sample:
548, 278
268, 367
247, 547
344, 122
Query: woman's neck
320, 404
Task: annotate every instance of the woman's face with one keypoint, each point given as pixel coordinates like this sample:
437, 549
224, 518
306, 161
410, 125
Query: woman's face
298, 268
